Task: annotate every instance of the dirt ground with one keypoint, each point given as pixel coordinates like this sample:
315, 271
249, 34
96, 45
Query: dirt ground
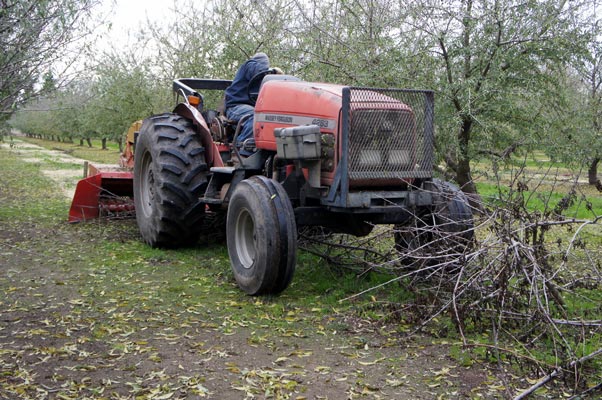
63, 337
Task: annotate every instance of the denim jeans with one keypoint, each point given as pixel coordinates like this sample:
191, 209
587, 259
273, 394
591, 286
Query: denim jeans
236, 113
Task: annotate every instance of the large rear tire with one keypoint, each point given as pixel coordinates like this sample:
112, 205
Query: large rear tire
262, 236
452, 214
170, 175
446, 231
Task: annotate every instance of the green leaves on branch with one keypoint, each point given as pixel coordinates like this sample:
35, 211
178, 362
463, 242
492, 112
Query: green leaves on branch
506, 73
35, 35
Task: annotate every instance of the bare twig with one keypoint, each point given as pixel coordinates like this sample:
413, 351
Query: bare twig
556, 372
513, 275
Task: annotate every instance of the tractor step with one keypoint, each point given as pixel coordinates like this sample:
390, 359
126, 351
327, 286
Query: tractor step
222, 170
208, 200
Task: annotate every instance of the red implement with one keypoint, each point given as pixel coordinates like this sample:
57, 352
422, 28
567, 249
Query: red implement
105, 192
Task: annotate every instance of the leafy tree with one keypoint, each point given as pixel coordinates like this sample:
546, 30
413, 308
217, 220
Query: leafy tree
33, 119
493, 68
57, 115
576, 134
122, 92
33, 36
211, 39
49, 84
591, 73
248, 26
349, 42
185, 46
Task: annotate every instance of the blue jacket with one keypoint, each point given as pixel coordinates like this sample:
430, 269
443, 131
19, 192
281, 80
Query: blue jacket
237, 92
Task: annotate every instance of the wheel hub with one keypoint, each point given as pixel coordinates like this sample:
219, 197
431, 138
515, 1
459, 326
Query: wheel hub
245, 239
148, 186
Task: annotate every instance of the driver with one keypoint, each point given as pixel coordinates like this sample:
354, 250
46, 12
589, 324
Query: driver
237, 101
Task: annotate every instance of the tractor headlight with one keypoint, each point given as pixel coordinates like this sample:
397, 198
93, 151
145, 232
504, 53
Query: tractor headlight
370, 157
399, 157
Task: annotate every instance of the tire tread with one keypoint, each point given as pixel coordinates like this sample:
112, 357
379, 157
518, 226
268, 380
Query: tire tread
180, 173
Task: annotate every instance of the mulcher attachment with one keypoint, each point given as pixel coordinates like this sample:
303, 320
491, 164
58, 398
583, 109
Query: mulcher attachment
107, 190
106, 193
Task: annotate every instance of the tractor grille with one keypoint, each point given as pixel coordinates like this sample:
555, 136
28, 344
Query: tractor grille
390, 134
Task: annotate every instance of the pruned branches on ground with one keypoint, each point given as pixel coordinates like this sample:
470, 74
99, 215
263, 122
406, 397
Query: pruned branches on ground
530, 278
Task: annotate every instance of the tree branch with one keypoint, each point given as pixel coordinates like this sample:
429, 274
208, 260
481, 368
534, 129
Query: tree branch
556, 372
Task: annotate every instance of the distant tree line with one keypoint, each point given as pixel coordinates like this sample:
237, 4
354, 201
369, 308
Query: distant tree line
102, 107
34, 36
509, 76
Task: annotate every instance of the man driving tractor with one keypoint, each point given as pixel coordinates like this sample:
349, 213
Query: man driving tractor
237, 96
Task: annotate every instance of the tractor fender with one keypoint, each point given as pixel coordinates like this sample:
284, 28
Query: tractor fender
211, 152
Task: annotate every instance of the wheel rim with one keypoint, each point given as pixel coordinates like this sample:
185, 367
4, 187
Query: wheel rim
245, 238
147, 185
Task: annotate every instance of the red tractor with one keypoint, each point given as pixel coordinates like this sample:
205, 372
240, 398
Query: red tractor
344, 158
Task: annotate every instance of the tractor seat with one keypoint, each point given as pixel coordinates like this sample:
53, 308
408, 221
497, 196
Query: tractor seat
276, 77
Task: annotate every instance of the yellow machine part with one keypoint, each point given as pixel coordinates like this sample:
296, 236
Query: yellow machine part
126, 160
135, 127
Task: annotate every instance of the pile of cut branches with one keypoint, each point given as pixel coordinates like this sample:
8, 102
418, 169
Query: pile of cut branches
531, 279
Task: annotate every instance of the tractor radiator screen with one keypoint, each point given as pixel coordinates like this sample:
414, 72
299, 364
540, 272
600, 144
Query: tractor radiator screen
390, 135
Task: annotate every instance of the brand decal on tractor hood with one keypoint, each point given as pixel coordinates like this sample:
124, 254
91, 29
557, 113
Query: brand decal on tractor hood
296, 120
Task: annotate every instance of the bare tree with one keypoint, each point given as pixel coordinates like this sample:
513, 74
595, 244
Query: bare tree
33, 35
527, 281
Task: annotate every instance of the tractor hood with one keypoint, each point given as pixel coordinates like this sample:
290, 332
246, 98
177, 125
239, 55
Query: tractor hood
295, 103
299, 103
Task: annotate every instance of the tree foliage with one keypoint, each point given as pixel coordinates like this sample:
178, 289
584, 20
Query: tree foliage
576, 138
122, 92
504, 71
101, 106
494, 70
34, 34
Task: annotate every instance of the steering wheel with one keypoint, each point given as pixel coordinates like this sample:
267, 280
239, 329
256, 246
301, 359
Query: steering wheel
256, 81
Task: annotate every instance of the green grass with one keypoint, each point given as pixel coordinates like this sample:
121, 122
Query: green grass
546, 198
26, 195
116, 264
587, 303
94, 153
537, 161
118, 275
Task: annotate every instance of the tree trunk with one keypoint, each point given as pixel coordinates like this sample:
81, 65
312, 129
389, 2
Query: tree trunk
89, 141
104, 143
120, 142
592, 172
464, 176
81, 142
462, 167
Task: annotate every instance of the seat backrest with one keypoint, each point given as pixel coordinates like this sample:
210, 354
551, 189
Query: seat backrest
276, 77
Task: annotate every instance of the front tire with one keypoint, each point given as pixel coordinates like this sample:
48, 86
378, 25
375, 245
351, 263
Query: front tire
170, 175
262, 236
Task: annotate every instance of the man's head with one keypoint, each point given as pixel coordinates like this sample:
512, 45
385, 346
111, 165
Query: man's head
260, 56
